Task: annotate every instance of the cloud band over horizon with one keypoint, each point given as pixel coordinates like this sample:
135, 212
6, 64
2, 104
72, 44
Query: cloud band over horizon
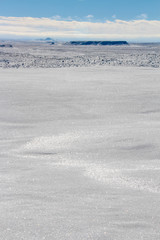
28, 27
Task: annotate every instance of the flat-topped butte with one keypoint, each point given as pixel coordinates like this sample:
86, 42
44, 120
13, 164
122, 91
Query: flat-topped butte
98, 43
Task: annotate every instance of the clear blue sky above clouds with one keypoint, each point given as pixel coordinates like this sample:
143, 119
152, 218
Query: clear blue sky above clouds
100, 9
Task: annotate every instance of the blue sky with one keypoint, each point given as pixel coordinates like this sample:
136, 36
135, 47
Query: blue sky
131, 20
100, 9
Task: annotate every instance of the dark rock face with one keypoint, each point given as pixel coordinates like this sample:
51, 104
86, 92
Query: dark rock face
104, 43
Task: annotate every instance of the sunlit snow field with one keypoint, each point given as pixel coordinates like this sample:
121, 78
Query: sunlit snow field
80, 153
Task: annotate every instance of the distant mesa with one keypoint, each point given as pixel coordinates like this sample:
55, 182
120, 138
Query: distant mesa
104, 43
6, 45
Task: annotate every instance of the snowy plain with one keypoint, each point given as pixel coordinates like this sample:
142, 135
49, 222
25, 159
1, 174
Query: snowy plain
44, 55
80, 153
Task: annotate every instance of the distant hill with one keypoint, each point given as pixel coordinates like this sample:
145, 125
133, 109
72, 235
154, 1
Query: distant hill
98, 43
48, 39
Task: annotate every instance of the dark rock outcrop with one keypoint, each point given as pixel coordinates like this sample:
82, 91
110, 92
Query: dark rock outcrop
6, 45
104, 43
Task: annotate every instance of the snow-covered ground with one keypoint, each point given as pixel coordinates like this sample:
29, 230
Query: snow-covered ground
80, 153
45, 55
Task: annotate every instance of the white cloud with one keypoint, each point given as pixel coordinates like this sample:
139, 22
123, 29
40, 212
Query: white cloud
57, 17
14, 27
114, 16
142, 16
89, 16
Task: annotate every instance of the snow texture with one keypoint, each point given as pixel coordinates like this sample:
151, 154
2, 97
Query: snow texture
79, 150
47, 55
